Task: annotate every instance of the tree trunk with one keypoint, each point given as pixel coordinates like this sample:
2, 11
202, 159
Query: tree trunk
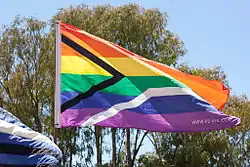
37, 119
98, 146
1, 102
136, 149
128, 148
72, 144
113, 147
71, 150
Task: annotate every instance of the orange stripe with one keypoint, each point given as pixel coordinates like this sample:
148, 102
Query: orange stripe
101, 46
212, 91
66, 50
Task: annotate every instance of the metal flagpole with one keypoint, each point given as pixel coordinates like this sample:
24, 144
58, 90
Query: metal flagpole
58, 81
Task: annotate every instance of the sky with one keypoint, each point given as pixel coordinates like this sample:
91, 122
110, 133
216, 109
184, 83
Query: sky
215, 32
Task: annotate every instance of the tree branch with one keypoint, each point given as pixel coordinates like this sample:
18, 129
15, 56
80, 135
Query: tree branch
137, 149
119, 151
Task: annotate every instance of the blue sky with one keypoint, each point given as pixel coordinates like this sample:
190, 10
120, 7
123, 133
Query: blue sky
215, 32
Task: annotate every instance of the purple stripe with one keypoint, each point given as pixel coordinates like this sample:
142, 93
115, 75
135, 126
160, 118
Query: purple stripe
182, 122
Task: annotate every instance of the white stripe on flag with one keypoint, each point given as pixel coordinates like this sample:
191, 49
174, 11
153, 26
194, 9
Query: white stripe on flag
151, 92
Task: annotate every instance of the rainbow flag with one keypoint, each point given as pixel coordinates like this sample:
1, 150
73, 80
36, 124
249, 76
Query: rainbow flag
101, 83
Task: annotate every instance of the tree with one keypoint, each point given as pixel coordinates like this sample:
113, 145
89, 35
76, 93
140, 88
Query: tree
142, 31
27, 81
113, 131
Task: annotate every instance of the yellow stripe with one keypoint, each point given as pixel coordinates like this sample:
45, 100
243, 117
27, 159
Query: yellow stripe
80, 65
127, 66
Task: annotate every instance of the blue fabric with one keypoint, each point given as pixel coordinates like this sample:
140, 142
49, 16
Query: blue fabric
11, 159
28, 143
19, 150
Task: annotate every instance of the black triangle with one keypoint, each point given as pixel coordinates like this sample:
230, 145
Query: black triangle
117, 76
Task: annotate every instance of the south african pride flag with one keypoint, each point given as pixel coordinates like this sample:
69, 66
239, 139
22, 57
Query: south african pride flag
101, 83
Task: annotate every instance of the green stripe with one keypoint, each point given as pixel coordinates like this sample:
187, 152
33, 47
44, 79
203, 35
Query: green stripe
131, 85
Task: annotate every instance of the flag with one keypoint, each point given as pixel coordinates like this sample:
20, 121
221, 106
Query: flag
101, 83
20, 146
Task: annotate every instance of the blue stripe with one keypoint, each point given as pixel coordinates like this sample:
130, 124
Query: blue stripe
155, 105
17, 140
11, 159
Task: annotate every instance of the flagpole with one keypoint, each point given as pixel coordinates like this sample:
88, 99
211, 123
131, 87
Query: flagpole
58, 81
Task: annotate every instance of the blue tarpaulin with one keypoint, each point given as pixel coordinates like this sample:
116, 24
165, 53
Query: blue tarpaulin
20, 146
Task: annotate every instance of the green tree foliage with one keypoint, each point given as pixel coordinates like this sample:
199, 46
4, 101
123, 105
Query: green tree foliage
228, 147
27, 53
